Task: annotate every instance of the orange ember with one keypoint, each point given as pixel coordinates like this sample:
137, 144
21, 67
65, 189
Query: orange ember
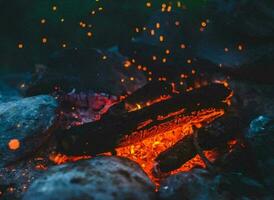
14, 144
196, 161
155, 139
225, 83
146, 151
162, 137
61, 159
139, 106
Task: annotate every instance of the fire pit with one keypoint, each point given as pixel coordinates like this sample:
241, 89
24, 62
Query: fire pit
146, 132
176, 104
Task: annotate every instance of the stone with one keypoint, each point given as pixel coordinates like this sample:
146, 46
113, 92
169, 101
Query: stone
260, 142
248, 98
249, 17
7, 93
196, 184
15, 179
99, 178
199, 184
12, 85
24, 126
85, 70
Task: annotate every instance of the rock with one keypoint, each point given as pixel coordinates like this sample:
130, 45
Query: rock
214, 135
238, 186
260, 141
245, 16
96, 179
15, 179
238, 56
24, 126
229, 50
248, 98
232, 39
196, 184
11, 86
85, 70
199, 184
216, 44
238, 160
7, 93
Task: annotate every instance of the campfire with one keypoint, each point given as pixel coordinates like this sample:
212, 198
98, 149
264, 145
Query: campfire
137, 100
147, 130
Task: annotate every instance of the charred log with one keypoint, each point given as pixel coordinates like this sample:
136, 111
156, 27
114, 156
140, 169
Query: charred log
151, 93
99, 136
214, 135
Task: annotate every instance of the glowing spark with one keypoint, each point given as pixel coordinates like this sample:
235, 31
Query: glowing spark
14, 144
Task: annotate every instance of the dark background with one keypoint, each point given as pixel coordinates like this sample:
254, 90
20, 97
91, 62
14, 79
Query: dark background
21, 23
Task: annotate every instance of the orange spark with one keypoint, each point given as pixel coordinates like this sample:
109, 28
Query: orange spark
14, 144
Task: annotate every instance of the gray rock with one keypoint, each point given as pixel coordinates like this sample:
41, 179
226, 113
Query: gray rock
199, 184
85, 70
260, 141
195, 185
249, 17
249, 97
11, 86
7, 93
15, 179
24, 126
101, 178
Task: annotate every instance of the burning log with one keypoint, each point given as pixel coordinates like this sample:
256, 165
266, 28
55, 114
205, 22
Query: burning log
151, 93
214, 135
130, 127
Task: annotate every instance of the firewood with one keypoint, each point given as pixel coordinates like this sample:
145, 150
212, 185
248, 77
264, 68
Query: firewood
106, 134
214, 135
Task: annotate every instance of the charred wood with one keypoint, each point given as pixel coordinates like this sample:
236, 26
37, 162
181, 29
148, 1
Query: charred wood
213, 135
154, 91
106, 134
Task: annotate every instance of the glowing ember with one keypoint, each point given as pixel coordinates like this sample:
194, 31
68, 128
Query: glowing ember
140, 105
225, 83
146, 151
61, 159
40, 167
196, 161
155, 135
162, 137
14, 144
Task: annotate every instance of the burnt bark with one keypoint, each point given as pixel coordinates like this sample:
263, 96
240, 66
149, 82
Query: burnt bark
151, 91
214, 135
106, 134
